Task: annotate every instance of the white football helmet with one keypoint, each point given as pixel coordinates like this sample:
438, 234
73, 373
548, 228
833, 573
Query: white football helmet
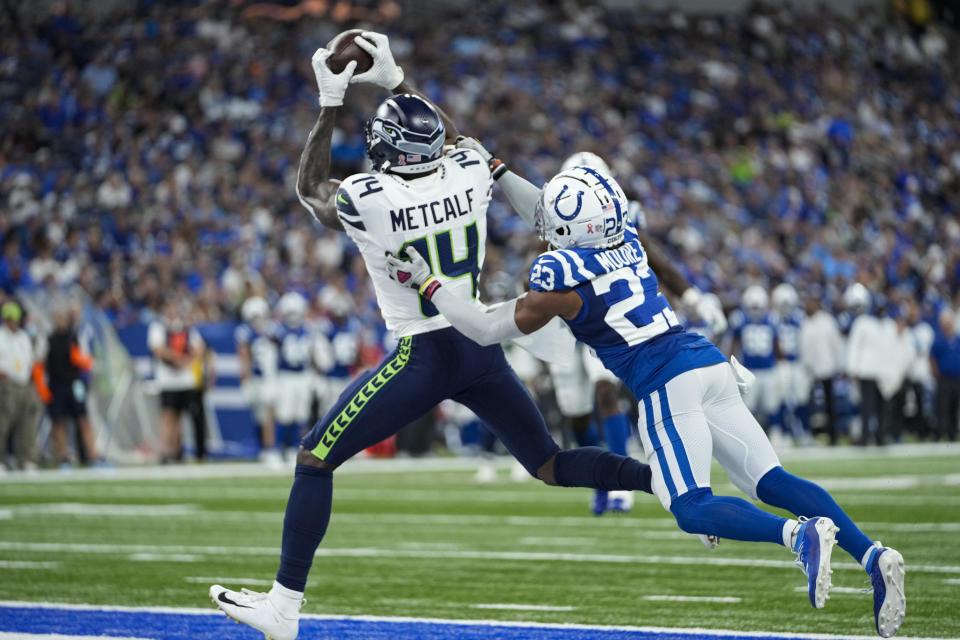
293, 308
587, 159
254, 308
856, 298
581, 207
338, 303
785, 298
755, 299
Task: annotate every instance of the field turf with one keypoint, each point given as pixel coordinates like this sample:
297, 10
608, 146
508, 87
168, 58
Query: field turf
421, 540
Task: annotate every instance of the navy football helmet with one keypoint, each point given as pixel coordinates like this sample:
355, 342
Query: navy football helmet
405, 135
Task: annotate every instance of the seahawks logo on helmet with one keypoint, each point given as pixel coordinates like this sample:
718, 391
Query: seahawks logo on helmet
405, 135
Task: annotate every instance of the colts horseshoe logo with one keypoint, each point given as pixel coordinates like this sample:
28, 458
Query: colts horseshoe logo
575, 212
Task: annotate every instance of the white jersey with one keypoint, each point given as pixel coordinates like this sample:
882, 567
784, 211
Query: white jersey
443, 215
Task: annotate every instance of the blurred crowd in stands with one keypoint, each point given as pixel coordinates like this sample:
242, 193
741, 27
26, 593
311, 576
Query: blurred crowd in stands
149, 151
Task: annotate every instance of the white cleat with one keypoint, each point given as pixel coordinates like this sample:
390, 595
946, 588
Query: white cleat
710, 542
257, 610
889, 597
816, 538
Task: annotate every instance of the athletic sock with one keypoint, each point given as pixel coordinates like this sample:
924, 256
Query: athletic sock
597, 468
867, 560
616, 431
281, 431
287, 601
804, 498
790, 527
304, 524
699, 511
588, 438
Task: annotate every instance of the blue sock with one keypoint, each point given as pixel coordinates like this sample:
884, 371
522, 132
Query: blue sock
597, 468
804, 498
616, 430
699, 511
305, 522
588, 438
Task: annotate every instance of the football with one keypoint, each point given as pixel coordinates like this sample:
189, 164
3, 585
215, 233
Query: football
345, 49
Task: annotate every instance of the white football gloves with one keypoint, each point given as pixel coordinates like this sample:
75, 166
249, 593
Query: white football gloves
496, 166
332, 85
385, 72
414, 273
705, 308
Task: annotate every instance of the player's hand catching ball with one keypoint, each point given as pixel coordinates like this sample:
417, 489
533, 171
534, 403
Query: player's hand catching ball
414, 272
385, 72
332, 85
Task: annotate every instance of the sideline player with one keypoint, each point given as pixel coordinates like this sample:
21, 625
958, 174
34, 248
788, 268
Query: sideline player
417, 196
598, 280
257, 353
294, 382
755, 338
792, 379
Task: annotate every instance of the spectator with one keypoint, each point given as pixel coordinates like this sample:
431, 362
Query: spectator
176, 348
945, 363
66, 365
21, 407
821, 354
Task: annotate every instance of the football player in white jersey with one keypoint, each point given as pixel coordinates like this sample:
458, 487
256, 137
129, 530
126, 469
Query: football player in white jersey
416, 196
257, 353
597, 279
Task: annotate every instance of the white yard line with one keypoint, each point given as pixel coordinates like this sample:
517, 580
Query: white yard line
670, 598
257, 582
432, 554
165, 557
427, 465
951, 580
726, 633
97, 509
523, 607
27, 564
555, 542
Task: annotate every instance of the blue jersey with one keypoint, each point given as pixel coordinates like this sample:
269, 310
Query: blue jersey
294, 344
344, 341
262, 348
624, 318
788, 335
757, 337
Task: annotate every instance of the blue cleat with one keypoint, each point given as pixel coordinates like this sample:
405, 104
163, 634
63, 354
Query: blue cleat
815, 539
889, 599
599, 504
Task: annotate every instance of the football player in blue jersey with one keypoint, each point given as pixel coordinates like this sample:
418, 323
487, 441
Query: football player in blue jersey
792, 379
295, 349
342, 333
597, 279
257, 353
755, 339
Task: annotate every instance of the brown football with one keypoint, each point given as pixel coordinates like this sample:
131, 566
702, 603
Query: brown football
345, 50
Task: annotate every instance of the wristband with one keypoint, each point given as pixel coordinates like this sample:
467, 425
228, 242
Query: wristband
429, 287
497, 168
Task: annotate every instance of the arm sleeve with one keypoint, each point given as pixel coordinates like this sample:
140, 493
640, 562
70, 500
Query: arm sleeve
521, 193
482, 324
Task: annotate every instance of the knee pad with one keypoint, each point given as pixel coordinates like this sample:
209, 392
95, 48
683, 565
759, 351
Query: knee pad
686, 509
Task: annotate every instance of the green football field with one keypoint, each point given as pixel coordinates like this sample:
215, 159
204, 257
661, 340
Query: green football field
421, 539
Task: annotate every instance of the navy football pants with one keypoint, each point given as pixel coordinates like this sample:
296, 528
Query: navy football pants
421, 372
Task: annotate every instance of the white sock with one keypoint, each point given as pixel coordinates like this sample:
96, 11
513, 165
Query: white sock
286, 600
789, 528
865, 560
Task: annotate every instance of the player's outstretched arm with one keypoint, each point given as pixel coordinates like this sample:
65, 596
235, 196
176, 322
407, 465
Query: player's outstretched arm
483, 324
521, 193
315, 189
